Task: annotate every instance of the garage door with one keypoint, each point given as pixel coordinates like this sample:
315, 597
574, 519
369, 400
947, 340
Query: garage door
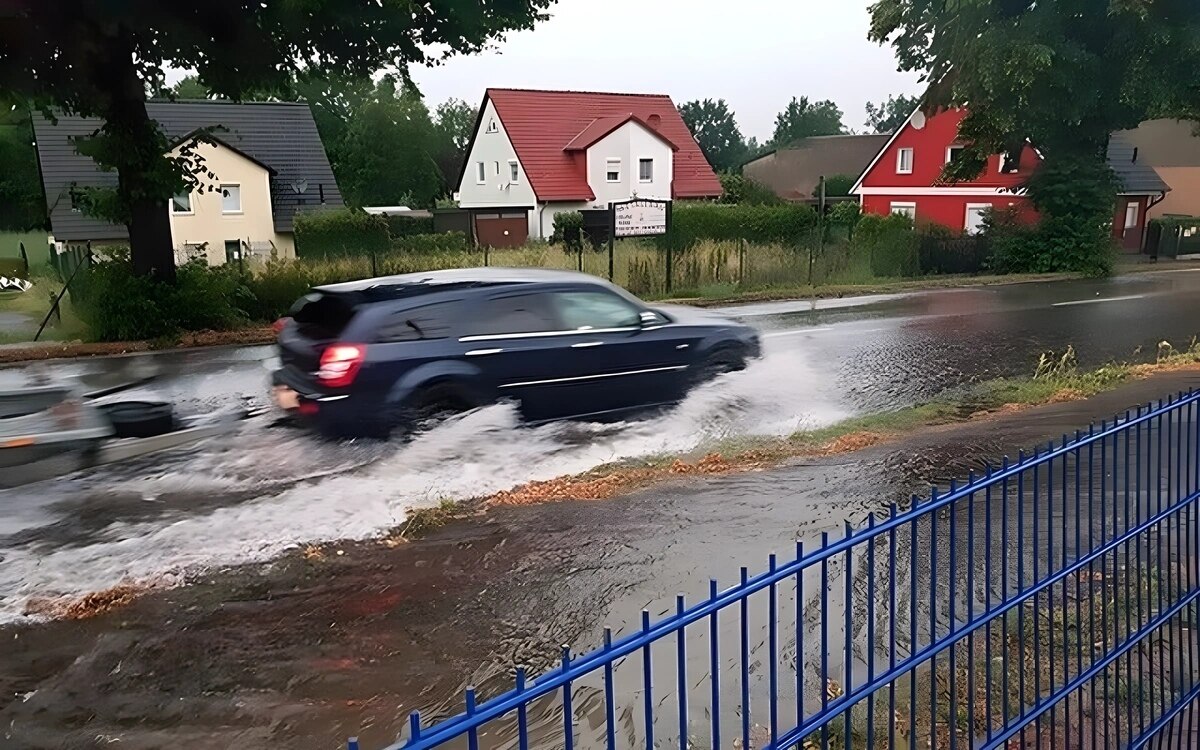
508, 229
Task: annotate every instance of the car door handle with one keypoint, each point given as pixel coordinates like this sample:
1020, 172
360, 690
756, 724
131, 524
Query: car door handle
587, 344
483, 352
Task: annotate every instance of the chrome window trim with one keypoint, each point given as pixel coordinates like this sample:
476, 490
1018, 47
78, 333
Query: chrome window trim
539, 334
579, 378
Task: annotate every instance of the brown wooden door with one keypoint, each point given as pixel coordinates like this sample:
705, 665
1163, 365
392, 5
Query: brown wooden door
502, 230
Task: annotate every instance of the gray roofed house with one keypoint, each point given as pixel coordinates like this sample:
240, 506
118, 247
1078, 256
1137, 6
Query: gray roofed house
794, 172
269, 160
1172, 149
1134, 175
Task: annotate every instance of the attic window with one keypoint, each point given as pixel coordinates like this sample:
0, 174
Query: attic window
1008, 165
953, 153
904, 161
492, 127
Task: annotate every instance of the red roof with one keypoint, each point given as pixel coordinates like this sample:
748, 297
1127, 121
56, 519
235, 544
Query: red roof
543, 124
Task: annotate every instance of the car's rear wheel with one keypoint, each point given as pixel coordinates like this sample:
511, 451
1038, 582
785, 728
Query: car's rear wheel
433, 405
718, 364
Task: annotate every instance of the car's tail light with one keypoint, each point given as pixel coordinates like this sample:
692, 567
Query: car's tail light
278, 325
340, 364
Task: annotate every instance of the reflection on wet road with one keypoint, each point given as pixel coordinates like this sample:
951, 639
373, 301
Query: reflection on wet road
250, 495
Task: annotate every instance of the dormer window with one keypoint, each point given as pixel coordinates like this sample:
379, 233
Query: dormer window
492, 127
953, 153
612, 170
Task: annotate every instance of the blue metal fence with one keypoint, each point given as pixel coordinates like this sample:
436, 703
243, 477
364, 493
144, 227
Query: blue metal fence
1050, 602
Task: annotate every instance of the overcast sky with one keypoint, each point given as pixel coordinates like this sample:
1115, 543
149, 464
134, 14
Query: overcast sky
755, 54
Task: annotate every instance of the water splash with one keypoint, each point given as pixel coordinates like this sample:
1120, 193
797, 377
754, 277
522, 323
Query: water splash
254, 495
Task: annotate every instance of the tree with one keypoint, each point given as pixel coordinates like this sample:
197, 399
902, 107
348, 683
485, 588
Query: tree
715, 129
836, 186
189, 87
100, 59
454, 124
887, 117
1062, 75
22, 204
387, 154
804, 119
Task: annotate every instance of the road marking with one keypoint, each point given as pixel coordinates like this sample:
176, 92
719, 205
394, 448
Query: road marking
1099, 300
798, 332
1175, 270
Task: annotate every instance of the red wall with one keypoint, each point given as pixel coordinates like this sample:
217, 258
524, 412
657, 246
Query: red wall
929, 158
947, 210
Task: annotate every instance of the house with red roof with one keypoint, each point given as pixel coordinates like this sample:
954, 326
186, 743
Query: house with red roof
906, 177
535, 154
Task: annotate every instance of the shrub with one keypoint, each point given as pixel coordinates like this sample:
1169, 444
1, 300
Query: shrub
836, 186
406, 226
845, 214
892, 244
342, 231
1057, 244
739, 189
693, 222
449, 242
568, 231
275, 287
120, 305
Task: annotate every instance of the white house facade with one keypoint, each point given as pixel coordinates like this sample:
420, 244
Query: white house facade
536, 154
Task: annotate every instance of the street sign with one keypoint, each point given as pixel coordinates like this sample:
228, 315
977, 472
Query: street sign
641, 218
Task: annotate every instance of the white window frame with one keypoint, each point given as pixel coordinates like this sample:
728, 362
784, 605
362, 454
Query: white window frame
480, 173
227, 211
1136, 209
492, 126
967, 216
646, 160
609, 169
514, 171
191, 210
912, 155
951, 149
902, 207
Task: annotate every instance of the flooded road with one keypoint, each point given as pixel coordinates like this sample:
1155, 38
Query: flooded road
257, 493
314, 648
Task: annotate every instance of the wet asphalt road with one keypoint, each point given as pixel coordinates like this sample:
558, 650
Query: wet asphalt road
255, 493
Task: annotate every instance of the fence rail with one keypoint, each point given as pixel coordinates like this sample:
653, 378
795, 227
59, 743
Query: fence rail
1051, 600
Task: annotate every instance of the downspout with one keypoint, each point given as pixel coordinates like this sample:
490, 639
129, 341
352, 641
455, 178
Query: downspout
542, 221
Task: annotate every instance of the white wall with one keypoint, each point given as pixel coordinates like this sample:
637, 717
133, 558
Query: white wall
630, 143
493, 148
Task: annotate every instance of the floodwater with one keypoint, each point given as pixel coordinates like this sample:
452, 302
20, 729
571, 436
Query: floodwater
251, 495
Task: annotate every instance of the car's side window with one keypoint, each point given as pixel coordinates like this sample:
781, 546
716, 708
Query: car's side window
524, 313
423, 323
584, 311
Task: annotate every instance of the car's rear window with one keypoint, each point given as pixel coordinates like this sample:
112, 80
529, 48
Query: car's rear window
322, 316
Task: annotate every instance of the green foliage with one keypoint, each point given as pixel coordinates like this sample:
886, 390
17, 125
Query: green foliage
188, 87
837, 186
1063, 75
120, 305
738, 188
387, 150
100, 59
892, 244
802, 119
887, 117
568, 230
344, 231
404, 226
447, 242
22, 205
713, 125
693, 222
453, 125
845, 214
1069, 244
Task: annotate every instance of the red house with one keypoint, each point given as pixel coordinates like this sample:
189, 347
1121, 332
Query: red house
905, 177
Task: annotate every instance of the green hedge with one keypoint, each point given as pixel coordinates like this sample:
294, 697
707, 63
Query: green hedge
893, 244
406, 226
447, 242
342, 231
694, 222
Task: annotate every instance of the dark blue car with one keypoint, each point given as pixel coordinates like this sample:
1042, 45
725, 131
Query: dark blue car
367, 357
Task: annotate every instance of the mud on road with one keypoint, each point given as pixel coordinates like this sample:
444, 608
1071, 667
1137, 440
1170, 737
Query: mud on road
326, 643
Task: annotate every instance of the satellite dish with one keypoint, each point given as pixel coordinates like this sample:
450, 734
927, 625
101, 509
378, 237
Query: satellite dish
918, 120
299, 186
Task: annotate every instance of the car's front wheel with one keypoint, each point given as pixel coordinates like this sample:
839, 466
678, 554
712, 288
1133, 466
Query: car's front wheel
433, 405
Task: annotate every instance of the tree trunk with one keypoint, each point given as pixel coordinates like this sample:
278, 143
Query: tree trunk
137, 150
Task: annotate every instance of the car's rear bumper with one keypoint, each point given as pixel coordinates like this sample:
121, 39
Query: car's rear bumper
332, 413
